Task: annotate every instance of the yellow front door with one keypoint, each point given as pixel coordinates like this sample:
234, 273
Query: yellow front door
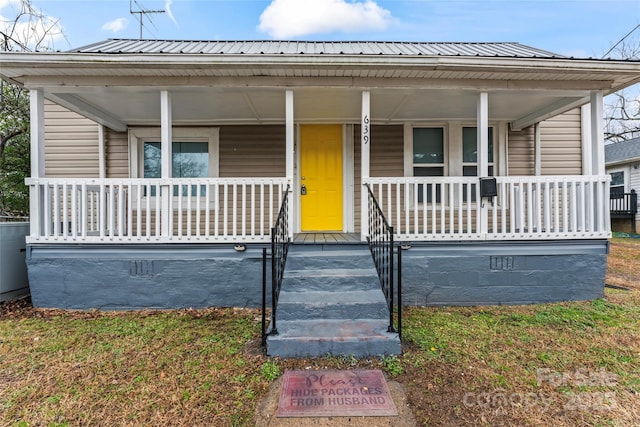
321, 177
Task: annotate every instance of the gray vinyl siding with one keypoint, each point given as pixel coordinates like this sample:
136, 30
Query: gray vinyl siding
386, 158
634, 178
520, 161
117, 154
561, 147
634, 184
252, 151
561, 140
71, 143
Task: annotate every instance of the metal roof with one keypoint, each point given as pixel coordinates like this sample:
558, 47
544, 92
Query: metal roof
273, 47
621, 151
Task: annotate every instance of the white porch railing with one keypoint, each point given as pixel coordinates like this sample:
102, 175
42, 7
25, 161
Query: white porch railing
154, 210
537, 207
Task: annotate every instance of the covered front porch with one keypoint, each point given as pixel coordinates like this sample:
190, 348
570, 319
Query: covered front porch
160, 168
242, 208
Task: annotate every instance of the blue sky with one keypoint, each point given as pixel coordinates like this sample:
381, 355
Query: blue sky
580, 28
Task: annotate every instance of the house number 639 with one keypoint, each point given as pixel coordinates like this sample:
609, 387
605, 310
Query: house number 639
365, 129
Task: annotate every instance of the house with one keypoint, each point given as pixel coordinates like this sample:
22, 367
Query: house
247, 124
622, 161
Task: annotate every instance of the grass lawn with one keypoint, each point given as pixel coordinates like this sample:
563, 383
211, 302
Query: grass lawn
552, 364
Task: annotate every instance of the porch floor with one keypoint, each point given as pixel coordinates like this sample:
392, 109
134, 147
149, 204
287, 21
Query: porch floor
315, 238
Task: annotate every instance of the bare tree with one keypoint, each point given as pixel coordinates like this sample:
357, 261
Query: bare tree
27, 29
622, 109
622, 116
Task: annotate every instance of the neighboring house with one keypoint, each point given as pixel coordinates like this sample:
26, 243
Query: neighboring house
116, 225
623, 164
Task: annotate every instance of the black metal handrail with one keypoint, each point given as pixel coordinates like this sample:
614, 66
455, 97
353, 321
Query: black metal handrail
279, 250
381, 244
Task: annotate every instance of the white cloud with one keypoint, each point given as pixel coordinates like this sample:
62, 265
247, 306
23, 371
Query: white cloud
116, 25
5, 3
293, 18
167, 7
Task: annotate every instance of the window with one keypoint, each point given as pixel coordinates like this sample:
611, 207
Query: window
189, 160
194, 153
470, 157
428, 157
617, 183
470, 151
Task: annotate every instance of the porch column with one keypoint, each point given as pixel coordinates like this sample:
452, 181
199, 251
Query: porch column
289, 147
37, 159
600, 198
483, 151
483, 133
597, 134
365, 138
166, 155
585, 113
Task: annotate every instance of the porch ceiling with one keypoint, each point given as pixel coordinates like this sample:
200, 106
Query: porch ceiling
131, 106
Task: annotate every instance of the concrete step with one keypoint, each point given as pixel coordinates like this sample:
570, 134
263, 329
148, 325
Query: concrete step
331, 303
346, 305
330, 281
341, 260
308, 338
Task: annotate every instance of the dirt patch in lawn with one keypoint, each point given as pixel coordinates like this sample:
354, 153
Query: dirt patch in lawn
623, 264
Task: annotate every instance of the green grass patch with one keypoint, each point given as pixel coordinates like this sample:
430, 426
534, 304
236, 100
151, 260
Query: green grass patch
576, 363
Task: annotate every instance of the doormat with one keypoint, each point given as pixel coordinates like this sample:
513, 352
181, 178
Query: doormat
335, 394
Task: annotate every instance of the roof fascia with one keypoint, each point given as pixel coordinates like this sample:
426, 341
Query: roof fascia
265, 81
55, 59
623, 161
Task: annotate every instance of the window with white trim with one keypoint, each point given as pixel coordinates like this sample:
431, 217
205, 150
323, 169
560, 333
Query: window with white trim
190, 159
617, 183
470, 151
194, 153
428, 157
